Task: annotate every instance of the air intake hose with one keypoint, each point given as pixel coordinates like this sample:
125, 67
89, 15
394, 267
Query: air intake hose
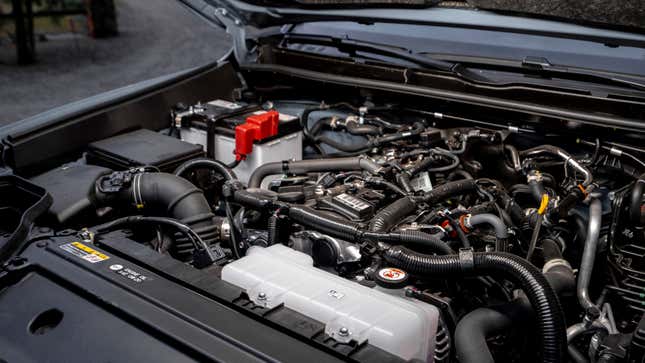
537, 289
162, 194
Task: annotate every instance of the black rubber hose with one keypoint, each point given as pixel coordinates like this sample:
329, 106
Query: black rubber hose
304, 118
412, 238
511, 207
425, 163
537, 190
392, 214
459, 174
335, 227
636, 200
342, 146
272, 227
355, 128
417, 128
314, 165
318, 126
205, 256
475, 327
204, 163
404, 181
541, 295
449, 189
166, 194
386, 184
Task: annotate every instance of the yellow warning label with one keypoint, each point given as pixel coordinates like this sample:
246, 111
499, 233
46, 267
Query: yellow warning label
85, 252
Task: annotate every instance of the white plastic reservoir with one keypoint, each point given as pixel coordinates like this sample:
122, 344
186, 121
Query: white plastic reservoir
278, 275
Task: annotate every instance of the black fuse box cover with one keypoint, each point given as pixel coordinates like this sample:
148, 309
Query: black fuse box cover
142, 148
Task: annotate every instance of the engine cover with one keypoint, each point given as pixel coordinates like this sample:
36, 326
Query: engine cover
351, 312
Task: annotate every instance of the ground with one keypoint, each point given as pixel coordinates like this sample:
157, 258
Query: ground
157, 37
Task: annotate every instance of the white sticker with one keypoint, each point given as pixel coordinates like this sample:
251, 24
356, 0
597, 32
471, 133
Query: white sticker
129, 273
421, 182
225, 104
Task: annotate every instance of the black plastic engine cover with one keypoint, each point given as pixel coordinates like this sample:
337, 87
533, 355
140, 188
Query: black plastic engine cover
66, 300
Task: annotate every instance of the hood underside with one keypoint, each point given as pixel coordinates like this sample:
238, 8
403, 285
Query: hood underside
613, 13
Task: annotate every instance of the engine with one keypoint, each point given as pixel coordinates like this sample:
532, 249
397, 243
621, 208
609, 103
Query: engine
430, 236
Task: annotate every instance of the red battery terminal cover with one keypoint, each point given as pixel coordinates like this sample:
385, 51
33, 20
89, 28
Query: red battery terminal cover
257, 127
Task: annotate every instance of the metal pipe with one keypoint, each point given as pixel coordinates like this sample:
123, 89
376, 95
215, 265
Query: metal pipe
568, 160
589, 256
577, 329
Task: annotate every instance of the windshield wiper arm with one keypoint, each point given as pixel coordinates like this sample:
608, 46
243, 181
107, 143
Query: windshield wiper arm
543, 66
351, 46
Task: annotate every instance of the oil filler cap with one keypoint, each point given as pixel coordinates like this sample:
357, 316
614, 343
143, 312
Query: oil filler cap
391, 278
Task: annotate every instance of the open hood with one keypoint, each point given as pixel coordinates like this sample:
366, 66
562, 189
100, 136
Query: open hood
615, 14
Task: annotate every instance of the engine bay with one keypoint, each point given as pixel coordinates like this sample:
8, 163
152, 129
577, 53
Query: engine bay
424, 236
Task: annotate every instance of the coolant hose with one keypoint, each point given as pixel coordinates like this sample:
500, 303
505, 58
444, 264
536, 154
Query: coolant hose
589, 257
475, 327
490, 219
314, 165
166, 195
204, 163
412, 238
343, 146
449, 189
501, 232
556, 269
541, 295
356, 128
392, 214
636, 201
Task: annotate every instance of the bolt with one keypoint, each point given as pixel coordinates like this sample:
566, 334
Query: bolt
343, 332
41, 244
262, 296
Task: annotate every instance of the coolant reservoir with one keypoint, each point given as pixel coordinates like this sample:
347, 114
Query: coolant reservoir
278, 275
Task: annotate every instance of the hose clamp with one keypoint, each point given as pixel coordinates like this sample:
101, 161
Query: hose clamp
466, 260
136, 191
465, 222
285, 166
555, 263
